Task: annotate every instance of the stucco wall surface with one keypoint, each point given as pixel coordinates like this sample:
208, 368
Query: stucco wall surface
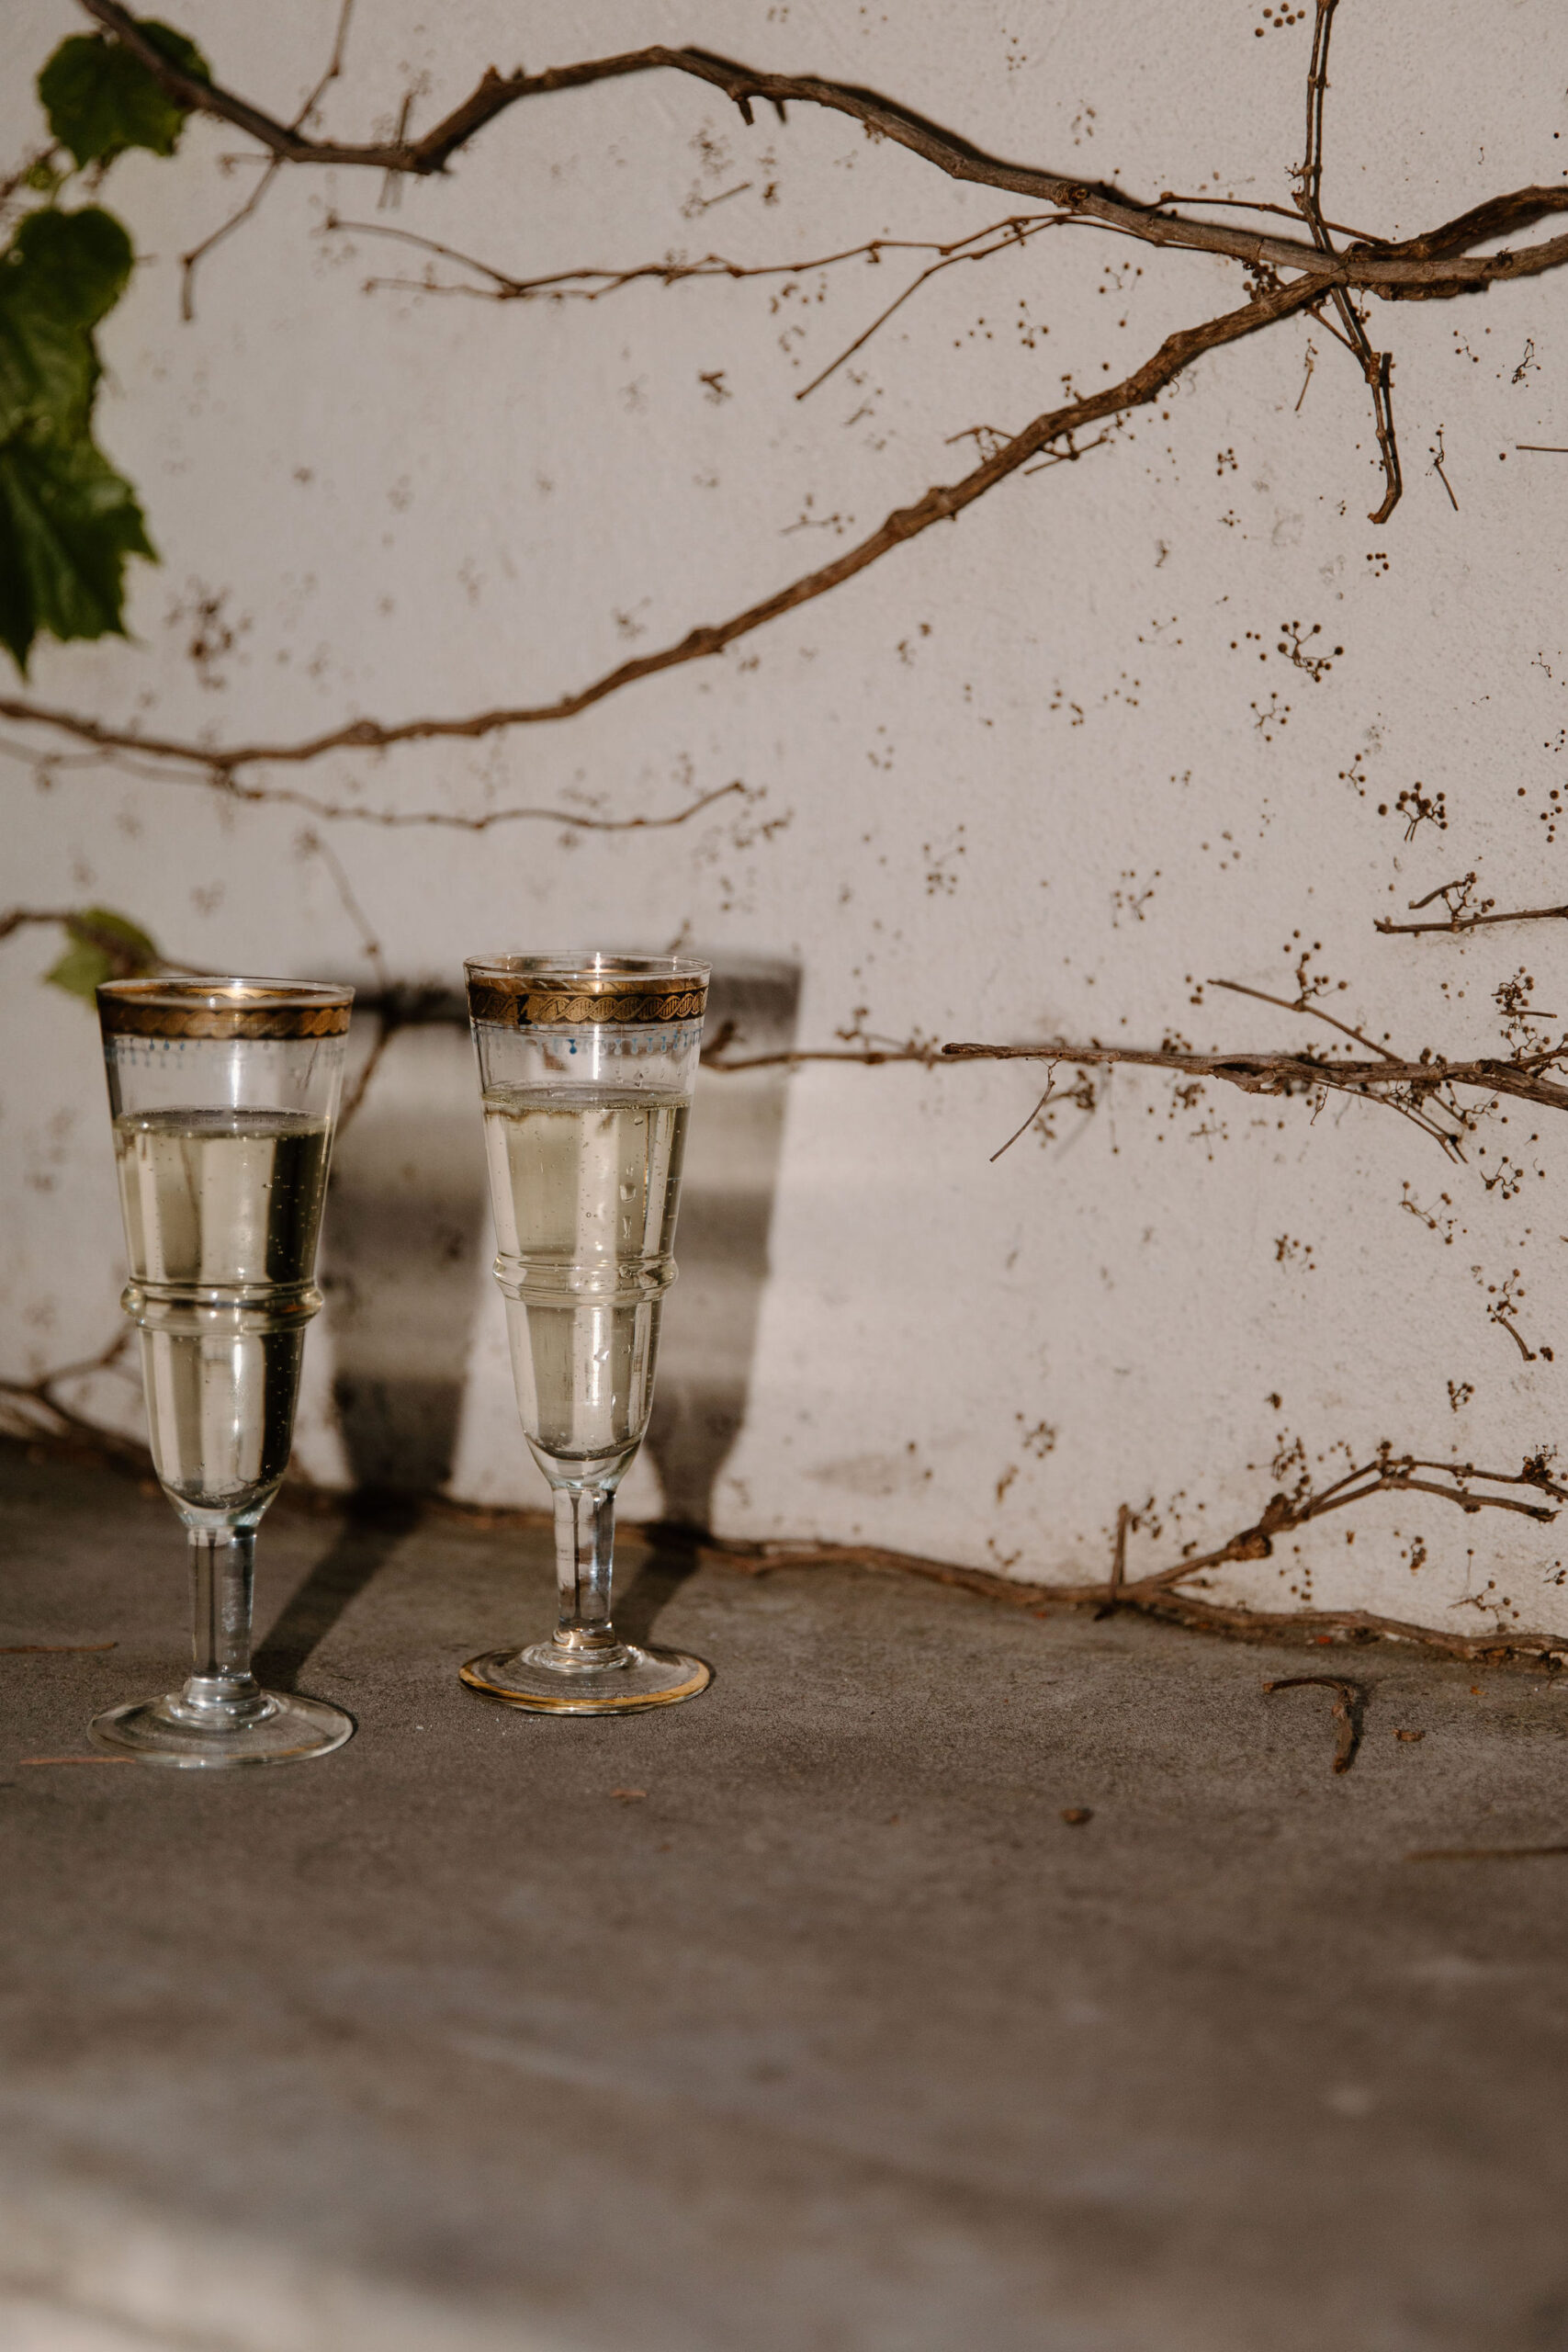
1129, 726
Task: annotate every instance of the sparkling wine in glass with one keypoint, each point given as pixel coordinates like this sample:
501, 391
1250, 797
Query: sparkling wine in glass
586, 1067
223, 1094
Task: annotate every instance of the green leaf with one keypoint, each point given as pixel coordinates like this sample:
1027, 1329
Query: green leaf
60, 274
75, 264
104, 946
81, 971
100, 98
67, 523
67, 520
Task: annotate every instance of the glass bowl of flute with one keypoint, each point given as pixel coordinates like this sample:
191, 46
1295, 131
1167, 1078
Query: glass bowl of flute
587, 1061
224, 1095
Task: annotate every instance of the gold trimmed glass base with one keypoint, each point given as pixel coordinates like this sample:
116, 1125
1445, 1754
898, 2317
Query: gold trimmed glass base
164, 1731
531, 1677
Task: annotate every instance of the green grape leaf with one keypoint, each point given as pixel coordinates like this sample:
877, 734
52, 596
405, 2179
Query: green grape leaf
67, 520
67, 523
102, 947
100, 98
59, 276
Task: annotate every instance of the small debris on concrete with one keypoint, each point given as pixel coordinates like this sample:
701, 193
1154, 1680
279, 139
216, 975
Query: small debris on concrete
1349, 1702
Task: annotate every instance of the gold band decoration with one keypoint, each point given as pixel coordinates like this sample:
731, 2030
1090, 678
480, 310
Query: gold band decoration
223, 1008
627, 991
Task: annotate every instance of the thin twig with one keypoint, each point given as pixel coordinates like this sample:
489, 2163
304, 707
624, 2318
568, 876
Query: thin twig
1050, 1089
1412, 1085
1349, 1702
1305, 1004
317, 847
590, 285
940, 503
191, 262
78, 925
1476, 922
948, 261
727, 1065
1118, 1557
1377, 366
587, 284
217, 776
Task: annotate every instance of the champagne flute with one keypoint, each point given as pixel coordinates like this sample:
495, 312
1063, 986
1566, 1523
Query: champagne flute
586, 1067
223, 1094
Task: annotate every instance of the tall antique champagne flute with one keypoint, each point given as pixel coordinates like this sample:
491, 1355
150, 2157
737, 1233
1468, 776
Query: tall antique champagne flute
224, 1093
586, 1065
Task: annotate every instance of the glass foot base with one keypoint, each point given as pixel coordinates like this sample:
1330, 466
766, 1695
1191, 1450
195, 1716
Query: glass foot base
530, 1678
158, 1731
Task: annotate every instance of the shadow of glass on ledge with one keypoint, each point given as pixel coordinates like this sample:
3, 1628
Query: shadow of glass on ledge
374, 1522
407, 1224
711, 1318
658, 1558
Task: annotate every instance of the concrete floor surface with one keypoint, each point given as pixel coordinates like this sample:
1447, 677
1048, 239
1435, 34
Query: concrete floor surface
797, 2019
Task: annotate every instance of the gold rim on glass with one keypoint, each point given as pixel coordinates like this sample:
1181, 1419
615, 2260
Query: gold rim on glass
489, 1674
575, 988
216, 1007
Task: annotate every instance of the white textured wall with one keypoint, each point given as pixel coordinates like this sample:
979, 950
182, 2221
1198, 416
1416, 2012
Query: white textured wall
1011, 783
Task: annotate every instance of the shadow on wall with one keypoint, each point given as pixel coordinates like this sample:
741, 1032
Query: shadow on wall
407, 1223
407, 1220
721, 1246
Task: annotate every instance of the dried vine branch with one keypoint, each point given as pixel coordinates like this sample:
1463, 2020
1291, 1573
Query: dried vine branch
589, 285
1284, 1074
217, 775
1387, 1473
1163, 1598
1437, 261
1412, 1088
35, 1411
1460, 918
125, 950
1433, 264
1376, 365
940, 503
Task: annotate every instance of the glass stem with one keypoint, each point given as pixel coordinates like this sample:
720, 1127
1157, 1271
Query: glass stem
222, 1568
585, 1543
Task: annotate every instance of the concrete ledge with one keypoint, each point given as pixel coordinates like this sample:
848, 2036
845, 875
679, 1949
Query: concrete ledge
797, 2015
